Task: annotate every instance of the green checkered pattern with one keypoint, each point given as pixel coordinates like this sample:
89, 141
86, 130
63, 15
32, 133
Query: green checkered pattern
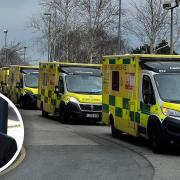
14, 93
119, 107
46, 93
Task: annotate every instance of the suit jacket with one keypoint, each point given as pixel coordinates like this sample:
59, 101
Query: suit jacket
8, 148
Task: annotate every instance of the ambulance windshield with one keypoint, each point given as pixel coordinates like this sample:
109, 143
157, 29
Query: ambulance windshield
83, 83
168, 86
31, 80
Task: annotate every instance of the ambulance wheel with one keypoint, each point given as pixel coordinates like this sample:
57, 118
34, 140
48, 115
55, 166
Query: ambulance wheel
21, 102
44, 113
114, 131
156, 139
63, 113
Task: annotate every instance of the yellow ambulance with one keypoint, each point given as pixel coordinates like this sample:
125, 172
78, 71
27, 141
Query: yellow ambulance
23, 85
141, 97
70, 90
1, 80
4, 80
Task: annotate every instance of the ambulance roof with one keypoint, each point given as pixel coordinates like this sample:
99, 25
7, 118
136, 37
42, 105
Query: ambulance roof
28, 71
145, 56
161, 66
81, 70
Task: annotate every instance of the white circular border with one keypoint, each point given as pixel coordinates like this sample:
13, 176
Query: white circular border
22, 126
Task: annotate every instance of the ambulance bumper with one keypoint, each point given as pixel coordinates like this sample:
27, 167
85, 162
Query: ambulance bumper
171, 127
74, 111
86, 116
30, 100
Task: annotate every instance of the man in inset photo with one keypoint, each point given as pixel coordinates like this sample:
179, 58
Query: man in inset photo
8, 145
8, 148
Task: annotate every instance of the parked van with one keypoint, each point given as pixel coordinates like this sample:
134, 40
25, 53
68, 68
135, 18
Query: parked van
70, 90
141, 96
23, 85
4, 76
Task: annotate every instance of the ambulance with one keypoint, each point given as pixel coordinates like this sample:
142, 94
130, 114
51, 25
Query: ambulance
4, 80
141, 97
23, 85
0, 80
70, 90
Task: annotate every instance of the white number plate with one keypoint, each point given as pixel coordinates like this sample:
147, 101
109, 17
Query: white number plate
92, 115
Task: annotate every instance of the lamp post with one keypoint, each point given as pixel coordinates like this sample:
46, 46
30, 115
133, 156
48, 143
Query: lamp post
171, 6
49, 33
25, 47
119, 29
171, 34
5, 44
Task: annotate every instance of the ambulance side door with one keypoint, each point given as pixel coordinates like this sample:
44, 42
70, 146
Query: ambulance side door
147, 100
61, 86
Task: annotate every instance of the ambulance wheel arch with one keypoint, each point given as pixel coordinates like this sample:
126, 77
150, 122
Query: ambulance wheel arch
63, 110
114, 131
155, 134
23, 101
44, 113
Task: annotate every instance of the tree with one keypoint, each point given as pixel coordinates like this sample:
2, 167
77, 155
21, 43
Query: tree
12, 55
161, 48
63, 21
149, 22
99, 15
81, 30
145, 49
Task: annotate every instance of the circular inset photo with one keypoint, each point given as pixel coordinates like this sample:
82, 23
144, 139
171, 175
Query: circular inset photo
11, 134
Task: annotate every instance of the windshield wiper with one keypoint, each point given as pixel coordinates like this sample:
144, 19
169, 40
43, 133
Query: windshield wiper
97, 92
86, 92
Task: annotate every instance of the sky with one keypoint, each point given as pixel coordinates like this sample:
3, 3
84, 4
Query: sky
15, 16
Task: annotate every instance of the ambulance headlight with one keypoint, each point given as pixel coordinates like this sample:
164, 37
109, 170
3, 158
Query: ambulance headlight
170, 112
72, 99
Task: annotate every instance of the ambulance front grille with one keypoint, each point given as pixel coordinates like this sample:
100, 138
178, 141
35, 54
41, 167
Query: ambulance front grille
35, 96
91, 107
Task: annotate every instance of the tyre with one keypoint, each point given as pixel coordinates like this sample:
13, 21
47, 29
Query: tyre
21, 103
156, 139
44, 113
114, 131
64, 117
63, 114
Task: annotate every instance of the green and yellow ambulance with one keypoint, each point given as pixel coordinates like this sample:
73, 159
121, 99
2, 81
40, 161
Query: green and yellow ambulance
70, 90
141, 96
23, 85
4, 80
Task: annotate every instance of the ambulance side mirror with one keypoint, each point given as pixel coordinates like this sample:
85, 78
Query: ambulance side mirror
149, 98
2, 83
56, 91
17, 85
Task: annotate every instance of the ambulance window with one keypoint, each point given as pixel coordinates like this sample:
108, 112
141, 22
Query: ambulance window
115, 80
147, 91
21, 83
